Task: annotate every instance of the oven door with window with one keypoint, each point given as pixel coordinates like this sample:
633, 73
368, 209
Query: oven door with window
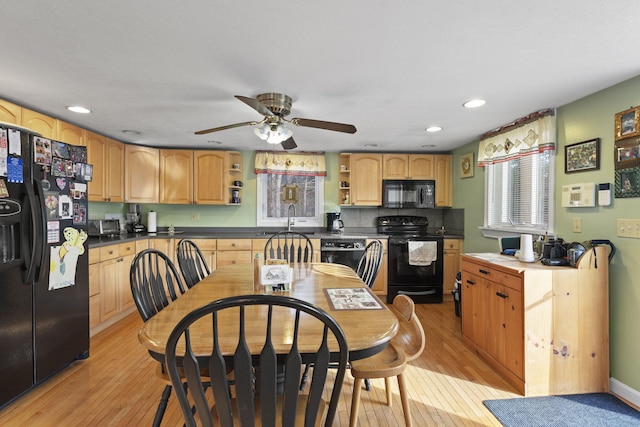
422, 283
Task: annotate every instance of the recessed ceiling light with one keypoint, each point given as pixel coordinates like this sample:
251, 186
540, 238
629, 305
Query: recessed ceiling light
429, 146
78, 109
131, 132
434, 129
474, 103
214, 142
370, 145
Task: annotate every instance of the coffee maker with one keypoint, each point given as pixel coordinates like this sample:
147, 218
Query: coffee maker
334, 223
134, 219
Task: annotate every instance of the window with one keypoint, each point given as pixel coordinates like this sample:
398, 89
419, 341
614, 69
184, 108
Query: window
273, 211
519, 170
518, 196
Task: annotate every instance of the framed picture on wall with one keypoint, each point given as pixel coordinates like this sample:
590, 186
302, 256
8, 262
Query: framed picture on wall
466, 165
627, 183
627, 123
582, 156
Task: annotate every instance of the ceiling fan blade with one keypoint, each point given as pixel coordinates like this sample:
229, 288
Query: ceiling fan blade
256, 105
237, 125
289, 144
319, 124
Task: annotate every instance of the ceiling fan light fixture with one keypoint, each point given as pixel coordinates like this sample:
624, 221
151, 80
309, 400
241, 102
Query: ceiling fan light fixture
278, 133
262, 131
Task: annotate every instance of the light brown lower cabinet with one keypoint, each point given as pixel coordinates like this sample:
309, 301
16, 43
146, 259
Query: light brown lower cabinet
545, 329
110, 297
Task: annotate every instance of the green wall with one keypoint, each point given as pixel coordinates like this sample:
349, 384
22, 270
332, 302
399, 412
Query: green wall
584, 119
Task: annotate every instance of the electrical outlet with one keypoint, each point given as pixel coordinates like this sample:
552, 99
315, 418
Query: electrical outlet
577, 225
628, 228
195, 216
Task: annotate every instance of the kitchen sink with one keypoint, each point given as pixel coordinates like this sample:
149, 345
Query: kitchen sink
271, 233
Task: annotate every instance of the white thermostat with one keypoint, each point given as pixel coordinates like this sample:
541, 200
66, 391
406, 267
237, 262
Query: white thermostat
579, 195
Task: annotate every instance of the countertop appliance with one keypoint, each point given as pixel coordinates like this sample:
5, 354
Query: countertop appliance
44, 279
345, 251
334, 223
421, 281
408, 193
104, 227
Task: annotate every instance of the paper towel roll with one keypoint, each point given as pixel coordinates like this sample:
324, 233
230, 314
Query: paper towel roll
526, 248
151, 222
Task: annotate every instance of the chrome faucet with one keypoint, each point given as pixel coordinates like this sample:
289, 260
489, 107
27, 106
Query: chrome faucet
291, 219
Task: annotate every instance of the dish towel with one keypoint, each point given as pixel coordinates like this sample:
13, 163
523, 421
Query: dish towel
422, 253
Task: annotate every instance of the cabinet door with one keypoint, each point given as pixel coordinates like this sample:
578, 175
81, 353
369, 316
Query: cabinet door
209, 172
514, 331
94, 294
10, 113
71, 134
114, 171
125, 297
44, 125
451, 267
109, 302
421, 166
167, 246
142, 180
96, 156
442, 165
395, 166
473, 311
176, 176
366, 179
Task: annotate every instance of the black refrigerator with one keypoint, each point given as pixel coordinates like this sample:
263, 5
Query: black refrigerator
44, 277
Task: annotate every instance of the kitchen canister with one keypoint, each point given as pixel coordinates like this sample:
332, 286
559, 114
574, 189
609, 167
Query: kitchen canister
151, 222
526, 248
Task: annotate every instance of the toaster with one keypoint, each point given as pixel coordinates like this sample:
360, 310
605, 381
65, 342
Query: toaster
104, 227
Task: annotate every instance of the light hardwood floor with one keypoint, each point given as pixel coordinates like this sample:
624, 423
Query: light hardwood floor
117, 386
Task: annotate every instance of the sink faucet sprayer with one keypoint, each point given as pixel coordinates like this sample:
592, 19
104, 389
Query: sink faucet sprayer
291, 219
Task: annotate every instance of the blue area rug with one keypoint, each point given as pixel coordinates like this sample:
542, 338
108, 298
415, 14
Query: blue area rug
583, 410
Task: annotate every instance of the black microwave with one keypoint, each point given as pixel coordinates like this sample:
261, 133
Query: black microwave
408, 193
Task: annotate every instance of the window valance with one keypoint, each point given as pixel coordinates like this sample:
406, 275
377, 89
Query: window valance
300, 163
532, 134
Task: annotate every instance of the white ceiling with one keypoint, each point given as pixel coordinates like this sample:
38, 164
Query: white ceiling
168, 68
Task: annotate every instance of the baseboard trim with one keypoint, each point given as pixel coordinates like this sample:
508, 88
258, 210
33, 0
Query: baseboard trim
625, 392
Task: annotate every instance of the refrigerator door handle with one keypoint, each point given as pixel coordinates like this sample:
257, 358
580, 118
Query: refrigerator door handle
40, 226
30, 242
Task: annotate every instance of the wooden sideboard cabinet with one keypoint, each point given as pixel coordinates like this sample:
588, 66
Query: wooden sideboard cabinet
545, 329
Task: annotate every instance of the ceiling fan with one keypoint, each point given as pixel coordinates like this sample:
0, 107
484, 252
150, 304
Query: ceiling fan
275, 107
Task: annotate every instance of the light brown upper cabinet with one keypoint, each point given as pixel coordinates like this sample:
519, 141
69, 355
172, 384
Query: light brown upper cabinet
176, 176
71, 134
107, 157
210, 187
10, 113
366, 179
114, 178
407, 166
96, 150
37, 122
142, 176
442, 167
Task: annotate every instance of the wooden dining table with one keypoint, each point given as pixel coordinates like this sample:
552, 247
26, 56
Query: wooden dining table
367, 330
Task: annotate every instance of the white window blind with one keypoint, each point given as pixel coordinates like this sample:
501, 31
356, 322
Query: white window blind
518, 193
519, 162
